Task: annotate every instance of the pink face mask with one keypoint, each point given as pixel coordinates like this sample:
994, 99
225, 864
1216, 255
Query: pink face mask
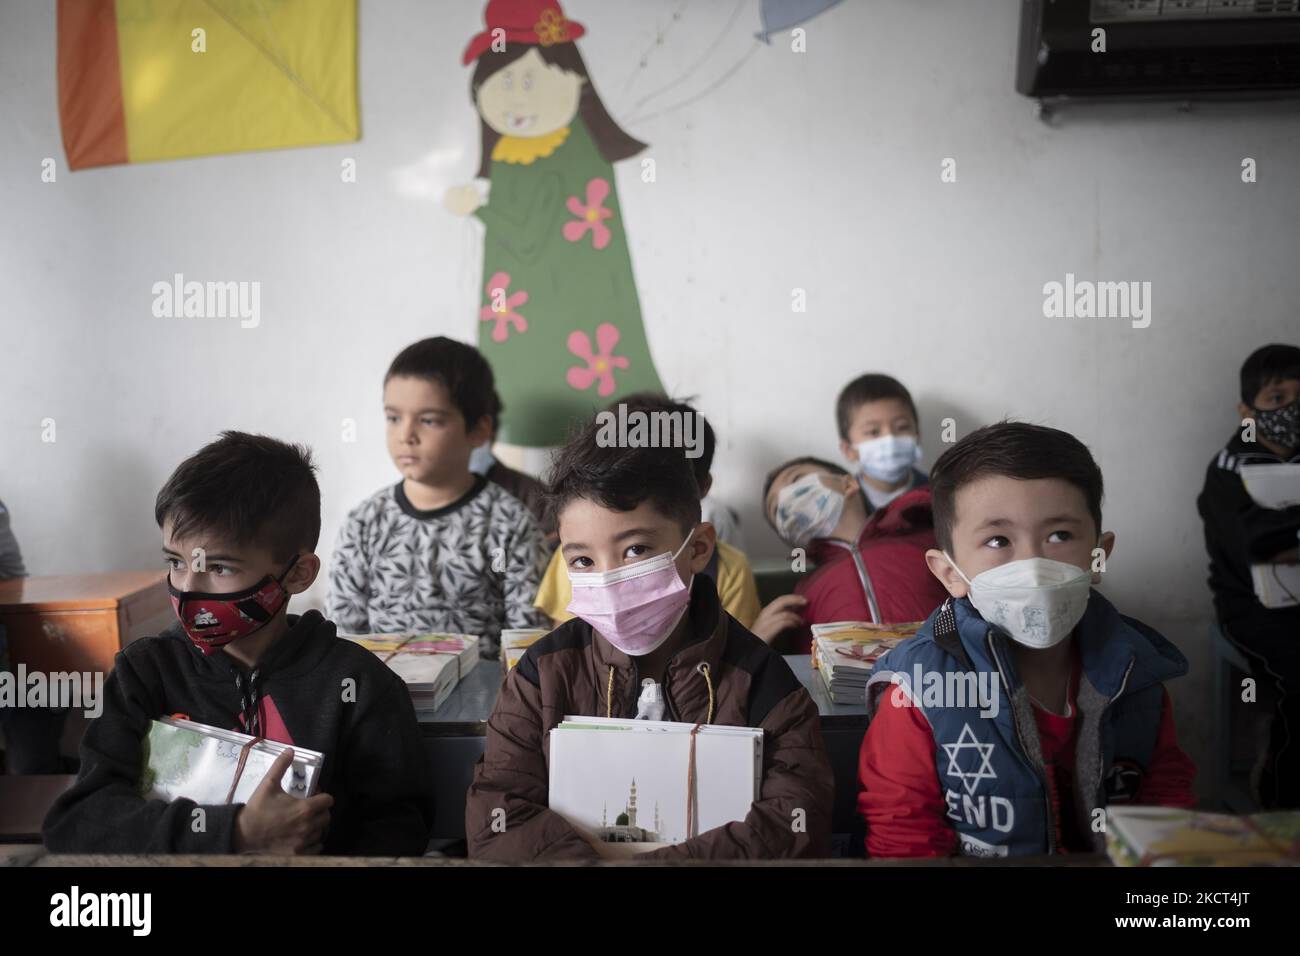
635, 607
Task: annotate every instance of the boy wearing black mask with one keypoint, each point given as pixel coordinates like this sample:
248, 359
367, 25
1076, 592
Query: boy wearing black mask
240, 521
1239, 533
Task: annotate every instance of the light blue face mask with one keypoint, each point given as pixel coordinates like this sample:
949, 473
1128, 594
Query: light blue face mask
888, 458
481, 459
807, 509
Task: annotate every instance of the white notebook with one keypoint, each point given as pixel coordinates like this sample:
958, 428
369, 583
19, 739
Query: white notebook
184, 758
625, 781
1276, 585
1275, 486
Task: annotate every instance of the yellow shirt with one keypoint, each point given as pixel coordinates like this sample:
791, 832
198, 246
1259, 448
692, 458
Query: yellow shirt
737, 588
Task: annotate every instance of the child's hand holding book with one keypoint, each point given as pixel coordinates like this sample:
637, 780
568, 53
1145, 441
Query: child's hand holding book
276, 823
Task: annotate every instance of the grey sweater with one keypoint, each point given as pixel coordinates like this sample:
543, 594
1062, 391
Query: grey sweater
472, 567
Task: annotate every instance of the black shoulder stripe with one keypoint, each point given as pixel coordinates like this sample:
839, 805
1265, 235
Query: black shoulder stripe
771, 680
571, 635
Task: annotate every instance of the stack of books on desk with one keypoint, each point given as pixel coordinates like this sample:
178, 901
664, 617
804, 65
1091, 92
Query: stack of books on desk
845, 651
210, 765
516, 640
626, 782
431, 664
1163, 836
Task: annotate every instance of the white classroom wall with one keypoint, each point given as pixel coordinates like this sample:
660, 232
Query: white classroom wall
816, 170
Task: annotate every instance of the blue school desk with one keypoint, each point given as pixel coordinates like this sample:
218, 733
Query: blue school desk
454, 737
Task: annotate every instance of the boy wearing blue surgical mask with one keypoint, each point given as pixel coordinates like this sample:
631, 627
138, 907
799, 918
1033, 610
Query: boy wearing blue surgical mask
879, 437
1027, 703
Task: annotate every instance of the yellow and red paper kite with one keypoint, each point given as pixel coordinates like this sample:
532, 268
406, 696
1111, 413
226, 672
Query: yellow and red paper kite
134, 85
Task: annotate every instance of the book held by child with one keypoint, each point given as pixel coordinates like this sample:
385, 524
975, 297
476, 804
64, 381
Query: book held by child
652, 782
206, 764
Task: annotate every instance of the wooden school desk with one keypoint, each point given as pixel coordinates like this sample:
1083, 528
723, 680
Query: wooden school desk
16, 856
454, 737
78, 622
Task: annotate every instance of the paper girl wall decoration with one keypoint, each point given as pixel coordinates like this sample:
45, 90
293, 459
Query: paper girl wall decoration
559, 316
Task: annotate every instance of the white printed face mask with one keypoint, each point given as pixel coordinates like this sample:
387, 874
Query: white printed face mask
1037, 601
807, 509
888, 458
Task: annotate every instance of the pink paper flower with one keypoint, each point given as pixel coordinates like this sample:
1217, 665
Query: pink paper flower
601, 364
501, 308
591, 215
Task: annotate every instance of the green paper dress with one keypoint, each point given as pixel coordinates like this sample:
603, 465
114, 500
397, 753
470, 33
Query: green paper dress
559, 319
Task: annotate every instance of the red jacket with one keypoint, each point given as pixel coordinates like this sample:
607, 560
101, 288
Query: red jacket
882, 578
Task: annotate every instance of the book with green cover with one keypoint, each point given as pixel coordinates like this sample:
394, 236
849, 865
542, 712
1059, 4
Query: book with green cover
183, 758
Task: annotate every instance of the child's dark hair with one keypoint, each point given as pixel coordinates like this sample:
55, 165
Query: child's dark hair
869, 388
621, 478
613, 142
459, 368
246, 490
1014, 450
1267, 365
650, 402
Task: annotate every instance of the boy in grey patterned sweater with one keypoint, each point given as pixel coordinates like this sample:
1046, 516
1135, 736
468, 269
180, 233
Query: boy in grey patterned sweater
443, 549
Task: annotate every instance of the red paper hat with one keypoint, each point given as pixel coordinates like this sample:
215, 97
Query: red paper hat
539, 22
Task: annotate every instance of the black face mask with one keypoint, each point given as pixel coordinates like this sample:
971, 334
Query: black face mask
1280, 425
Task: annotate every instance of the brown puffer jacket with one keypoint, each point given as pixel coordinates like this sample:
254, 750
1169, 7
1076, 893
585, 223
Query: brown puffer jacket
722, 674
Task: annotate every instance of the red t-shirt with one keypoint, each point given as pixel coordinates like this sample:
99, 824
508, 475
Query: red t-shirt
902, 802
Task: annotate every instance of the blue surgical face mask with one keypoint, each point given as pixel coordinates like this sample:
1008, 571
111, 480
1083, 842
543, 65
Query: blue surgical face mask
481, 459
807, 509
888, 458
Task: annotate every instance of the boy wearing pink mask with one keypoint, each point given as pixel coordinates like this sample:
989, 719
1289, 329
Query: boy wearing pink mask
649, 639
1027, 703
240, 521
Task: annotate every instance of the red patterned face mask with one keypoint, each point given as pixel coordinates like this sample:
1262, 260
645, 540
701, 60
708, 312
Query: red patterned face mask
211, 621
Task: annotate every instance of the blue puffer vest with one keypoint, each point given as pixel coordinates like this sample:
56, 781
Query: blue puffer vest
958, 668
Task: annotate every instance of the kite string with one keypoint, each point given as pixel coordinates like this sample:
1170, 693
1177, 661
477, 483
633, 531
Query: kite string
660, 34
716, 84
703, 58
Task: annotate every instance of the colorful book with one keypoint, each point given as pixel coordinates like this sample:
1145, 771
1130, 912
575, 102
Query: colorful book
845, 651
431, 664
1273, 485
1164, 836
628, 782
515, 641
209, 765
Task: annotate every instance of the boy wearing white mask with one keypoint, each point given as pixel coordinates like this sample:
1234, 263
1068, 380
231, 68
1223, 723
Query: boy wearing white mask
649, 639
1027, 703
879, 437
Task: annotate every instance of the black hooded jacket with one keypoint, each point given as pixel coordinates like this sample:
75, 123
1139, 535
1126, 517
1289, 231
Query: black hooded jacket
322, 692
1238, 532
